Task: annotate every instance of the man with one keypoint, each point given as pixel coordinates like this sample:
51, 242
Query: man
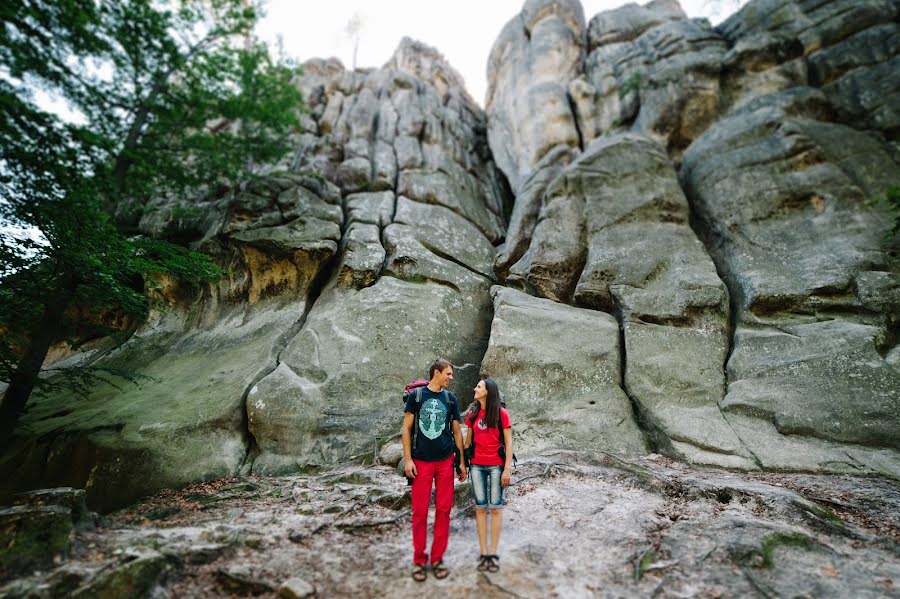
430, 461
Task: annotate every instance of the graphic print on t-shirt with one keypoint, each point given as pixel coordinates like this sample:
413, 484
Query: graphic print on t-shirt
432, 418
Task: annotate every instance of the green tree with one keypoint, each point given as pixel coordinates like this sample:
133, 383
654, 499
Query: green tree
169, 99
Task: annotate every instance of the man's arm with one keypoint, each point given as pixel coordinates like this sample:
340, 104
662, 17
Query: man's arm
409, 466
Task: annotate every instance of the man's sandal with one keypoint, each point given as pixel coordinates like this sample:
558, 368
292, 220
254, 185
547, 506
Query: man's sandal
483, 563
419, 574
440, 570
492, 565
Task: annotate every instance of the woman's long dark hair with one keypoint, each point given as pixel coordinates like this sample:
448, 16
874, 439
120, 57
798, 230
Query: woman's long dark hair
492, 405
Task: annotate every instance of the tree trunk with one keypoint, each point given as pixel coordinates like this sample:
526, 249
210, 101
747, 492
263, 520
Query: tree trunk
22, 382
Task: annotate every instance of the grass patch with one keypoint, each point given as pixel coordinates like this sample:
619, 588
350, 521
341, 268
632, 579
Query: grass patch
642, 564
780, 539
353, 478
631, 84
163, 513
823, 513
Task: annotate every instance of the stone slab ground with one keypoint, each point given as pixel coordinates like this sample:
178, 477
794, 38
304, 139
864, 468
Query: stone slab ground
578, 524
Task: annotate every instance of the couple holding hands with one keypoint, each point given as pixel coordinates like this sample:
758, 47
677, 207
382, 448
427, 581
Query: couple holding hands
431, 430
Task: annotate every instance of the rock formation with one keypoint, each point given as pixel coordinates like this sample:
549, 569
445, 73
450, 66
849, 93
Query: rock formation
656, 236
768, 344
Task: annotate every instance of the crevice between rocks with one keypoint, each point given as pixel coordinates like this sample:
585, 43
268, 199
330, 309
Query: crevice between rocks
737, 435
373, 141
574, 110
316, 287
445, 256
421, 279
711, 243
652, 433
383, 226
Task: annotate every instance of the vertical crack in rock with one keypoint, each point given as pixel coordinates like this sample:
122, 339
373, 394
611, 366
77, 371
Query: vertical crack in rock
575, 119
373, 142
315, 290
449, 258
396, 184
655, 437
707, 238
383, 229
383, 226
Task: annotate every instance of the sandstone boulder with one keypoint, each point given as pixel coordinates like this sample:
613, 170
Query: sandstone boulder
536, 55
413, 276
852, 49
784, 210
33, 536
559, 370
808, 268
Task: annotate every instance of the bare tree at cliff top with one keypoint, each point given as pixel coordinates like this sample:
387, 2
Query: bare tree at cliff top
354, 29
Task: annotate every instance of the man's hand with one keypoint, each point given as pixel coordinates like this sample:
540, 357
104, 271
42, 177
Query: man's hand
504, 477
410, 469
463, 473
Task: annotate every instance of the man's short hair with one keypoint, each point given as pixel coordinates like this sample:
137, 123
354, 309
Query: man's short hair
440, 365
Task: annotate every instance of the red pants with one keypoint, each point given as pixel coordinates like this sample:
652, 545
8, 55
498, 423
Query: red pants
442, 475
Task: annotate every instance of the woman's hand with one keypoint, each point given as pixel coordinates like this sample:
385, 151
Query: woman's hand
504, 478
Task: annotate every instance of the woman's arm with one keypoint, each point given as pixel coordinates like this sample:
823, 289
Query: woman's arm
507, 441
457, 436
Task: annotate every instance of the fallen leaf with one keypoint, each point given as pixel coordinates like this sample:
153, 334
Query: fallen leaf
828, 570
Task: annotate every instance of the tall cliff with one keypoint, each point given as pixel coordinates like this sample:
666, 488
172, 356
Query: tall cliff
655, 236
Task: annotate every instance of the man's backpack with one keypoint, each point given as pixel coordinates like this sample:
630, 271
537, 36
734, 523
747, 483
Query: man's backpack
415, 388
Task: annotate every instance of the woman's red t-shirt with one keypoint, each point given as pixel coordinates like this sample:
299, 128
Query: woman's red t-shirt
487, 440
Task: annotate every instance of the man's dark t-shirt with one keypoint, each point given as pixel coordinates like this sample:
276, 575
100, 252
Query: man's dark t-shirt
434, 438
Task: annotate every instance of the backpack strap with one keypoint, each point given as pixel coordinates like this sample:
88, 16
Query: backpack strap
515, 460
447, 401
416, 418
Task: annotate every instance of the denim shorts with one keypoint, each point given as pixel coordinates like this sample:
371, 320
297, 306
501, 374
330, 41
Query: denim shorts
486, 486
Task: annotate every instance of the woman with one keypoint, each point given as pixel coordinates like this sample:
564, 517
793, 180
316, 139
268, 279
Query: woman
489, 472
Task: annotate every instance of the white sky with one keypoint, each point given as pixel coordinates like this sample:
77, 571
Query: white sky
462, 30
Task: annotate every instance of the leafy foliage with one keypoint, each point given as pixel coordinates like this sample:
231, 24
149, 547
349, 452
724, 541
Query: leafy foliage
167, 99
892, 198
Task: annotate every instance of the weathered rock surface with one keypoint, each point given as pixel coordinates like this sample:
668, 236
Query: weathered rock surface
33, 537
560, 373
529, 69
650, 527
783, 213
613, 235
296, 588
413, 282
647, 68
852, 50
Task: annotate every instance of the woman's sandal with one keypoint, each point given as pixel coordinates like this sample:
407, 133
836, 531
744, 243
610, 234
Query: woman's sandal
440, 570
483, 563
492, 565
419, 574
